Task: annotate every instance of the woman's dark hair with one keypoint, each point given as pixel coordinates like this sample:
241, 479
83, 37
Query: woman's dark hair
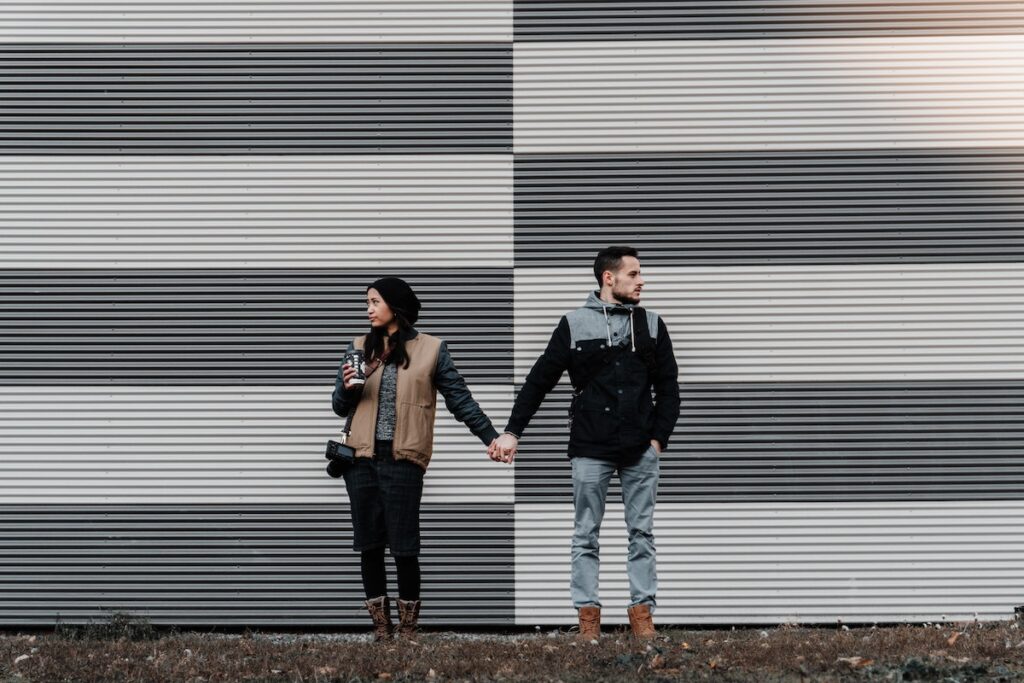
611, 259
375, 342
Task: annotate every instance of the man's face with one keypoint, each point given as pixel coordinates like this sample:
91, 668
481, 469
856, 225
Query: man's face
627, 283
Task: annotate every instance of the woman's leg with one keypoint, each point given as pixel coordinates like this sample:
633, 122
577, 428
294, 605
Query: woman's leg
375, 578
408, 567
402, 490
369, 539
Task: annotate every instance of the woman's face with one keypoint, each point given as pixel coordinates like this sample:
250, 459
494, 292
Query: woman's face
379, 313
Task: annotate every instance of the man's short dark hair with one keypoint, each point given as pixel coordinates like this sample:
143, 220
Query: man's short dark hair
611, 259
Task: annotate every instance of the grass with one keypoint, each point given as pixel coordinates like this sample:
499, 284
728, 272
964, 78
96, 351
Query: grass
128, 652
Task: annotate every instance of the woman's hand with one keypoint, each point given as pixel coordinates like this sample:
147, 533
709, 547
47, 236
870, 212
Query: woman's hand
503, 449
348, 374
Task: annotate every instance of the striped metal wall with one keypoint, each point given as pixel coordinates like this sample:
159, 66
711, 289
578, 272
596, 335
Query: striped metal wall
829, 203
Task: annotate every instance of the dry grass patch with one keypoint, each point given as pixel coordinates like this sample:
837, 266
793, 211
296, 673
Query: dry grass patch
947, 652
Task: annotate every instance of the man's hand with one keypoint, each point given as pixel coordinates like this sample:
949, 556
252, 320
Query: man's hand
657, 446
503, 449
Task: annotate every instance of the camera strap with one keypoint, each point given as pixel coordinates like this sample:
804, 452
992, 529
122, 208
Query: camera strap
369, 371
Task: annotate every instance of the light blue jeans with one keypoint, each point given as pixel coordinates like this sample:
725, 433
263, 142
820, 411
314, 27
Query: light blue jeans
590, 478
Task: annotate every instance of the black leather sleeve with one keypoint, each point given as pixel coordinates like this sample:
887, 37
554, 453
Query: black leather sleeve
458, 398
343, 400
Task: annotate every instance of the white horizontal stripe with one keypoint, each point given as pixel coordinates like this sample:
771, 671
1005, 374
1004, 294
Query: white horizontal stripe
791, 323
768, 94
226, 444
233, 212
790, 562
142, 21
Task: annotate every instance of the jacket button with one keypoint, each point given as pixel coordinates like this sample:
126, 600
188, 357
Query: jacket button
620, 391
607, 409
579, 348
602, 346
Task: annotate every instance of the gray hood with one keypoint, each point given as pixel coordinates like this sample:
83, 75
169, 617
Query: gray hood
618, 319
594, 302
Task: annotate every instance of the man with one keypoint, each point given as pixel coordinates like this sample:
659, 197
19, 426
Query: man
615, 353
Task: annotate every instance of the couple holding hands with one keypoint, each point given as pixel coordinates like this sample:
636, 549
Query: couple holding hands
625, 404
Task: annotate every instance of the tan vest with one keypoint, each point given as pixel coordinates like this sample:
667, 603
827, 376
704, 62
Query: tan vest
415, 404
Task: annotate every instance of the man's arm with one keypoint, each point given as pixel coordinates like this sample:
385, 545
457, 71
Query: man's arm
542, 378
666, 388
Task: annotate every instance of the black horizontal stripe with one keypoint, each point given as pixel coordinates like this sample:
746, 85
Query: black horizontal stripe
744, 208
812, 441
232, 326
285, 98
537, 20
239, 564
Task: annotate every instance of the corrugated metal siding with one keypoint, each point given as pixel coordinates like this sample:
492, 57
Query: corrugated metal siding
209, 444
816, 441
811, 323
736, 95
230, 326
761, 154
734, 563
265, 99
758, 19
254, 21
731, 208
830, 227
358, 212
273, 565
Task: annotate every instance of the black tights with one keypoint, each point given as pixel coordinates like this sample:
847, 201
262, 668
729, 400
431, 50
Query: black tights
375, 577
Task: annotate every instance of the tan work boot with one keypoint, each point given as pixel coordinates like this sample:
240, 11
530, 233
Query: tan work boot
590, 624
641, 623
408, 618
380, 612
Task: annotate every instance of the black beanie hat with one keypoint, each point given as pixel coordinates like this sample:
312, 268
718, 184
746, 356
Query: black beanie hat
398, 295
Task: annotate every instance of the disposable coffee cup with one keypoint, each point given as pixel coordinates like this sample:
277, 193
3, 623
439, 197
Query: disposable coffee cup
355, 360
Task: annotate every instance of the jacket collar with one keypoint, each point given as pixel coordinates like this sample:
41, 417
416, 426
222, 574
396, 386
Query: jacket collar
594, 302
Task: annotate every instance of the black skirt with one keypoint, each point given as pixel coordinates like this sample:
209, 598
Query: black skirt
385, 495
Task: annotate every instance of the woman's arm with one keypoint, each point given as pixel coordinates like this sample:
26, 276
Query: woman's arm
343, 400
459, 399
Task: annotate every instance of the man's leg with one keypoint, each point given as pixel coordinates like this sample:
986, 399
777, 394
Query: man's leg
639, 491
590, 479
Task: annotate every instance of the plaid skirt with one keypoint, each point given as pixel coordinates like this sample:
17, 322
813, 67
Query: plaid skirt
385, 495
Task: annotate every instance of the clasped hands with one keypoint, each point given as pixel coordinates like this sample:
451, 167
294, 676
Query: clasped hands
503, 449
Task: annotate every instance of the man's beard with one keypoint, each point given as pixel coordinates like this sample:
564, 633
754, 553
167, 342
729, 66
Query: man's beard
626, 298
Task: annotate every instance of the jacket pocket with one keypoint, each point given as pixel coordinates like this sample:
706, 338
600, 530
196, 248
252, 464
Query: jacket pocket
415, 427
593, 422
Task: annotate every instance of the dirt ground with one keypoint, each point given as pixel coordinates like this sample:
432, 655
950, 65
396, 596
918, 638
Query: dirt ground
134, 651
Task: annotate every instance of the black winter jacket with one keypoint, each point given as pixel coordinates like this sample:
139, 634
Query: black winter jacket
613, 415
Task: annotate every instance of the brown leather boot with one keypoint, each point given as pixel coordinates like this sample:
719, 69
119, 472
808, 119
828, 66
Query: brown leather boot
590, 624
408, 618
641, 623
380, 612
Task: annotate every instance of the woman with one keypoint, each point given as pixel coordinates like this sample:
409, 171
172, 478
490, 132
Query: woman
392, 432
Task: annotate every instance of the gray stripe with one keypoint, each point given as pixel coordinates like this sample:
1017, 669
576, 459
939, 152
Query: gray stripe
741, 208
620, 20
275, 326
817, 441
302, 98
239, 565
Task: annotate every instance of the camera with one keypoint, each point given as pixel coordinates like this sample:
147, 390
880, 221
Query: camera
340, 457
